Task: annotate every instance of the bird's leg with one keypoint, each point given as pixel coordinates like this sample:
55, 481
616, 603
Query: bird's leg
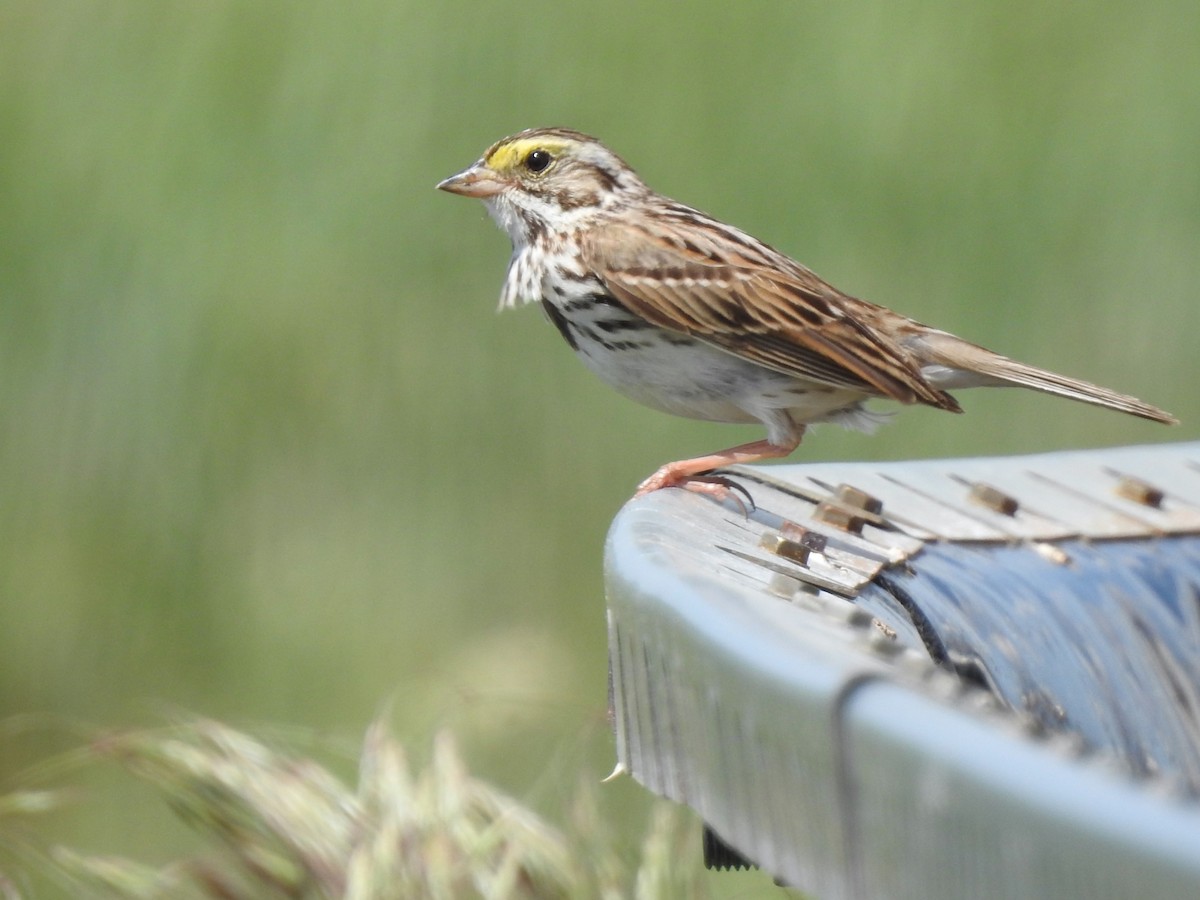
687, 473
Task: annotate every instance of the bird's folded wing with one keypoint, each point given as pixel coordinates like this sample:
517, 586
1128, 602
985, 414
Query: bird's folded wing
771, 317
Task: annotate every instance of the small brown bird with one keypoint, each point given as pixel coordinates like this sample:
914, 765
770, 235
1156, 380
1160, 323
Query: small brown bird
694, 317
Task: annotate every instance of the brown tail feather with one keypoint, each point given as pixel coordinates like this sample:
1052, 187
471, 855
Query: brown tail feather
942, 349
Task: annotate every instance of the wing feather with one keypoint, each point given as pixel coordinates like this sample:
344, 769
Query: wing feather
731, 291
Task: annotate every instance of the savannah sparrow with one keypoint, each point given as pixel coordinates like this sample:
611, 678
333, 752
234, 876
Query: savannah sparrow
689, 315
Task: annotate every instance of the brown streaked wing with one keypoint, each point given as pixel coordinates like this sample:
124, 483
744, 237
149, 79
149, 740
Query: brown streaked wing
787, 320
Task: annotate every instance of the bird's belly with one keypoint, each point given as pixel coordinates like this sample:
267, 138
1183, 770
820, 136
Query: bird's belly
686, 377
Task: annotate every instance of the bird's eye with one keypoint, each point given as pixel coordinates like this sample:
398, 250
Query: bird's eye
537, 160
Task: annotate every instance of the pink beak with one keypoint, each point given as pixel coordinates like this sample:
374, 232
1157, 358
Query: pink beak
475, 181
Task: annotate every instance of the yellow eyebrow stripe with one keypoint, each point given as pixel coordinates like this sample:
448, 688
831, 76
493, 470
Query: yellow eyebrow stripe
508, 156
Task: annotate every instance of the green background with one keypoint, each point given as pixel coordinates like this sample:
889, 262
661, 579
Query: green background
266, 453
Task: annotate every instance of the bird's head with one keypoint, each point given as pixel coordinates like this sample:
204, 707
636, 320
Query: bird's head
546, 179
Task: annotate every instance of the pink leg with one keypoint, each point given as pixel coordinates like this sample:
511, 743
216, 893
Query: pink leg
684, 473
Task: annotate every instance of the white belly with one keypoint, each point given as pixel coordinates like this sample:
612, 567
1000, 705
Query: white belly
686, 377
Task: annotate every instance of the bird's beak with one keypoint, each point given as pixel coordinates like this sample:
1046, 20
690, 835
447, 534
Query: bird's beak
475, 181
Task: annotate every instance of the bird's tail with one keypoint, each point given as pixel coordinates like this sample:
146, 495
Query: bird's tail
951, 362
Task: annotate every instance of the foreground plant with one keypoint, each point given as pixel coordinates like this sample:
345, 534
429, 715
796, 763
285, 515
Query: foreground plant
281, 826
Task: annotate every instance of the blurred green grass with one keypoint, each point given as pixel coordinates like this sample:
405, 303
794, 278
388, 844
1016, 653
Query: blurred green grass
268, 455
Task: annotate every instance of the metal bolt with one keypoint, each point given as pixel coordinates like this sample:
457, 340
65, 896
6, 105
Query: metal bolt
784, 586
1051, 553
839, 517
856, 498
994, 499
813, 540
1139, 491
774, 542
887, 630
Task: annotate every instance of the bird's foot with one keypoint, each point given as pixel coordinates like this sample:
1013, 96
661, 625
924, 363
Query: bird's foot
692, 474
680, 475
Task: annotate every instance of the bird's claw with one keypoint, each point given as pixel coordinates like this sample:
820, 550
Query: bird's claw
718, 487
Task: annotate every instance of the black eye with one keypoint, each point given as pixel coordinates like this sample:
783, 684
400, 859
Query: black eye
537, 160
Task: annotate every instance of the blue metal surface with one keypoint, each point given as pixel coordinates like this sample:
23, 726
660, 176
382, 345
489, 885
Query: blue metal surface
927, 679
1106, 646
